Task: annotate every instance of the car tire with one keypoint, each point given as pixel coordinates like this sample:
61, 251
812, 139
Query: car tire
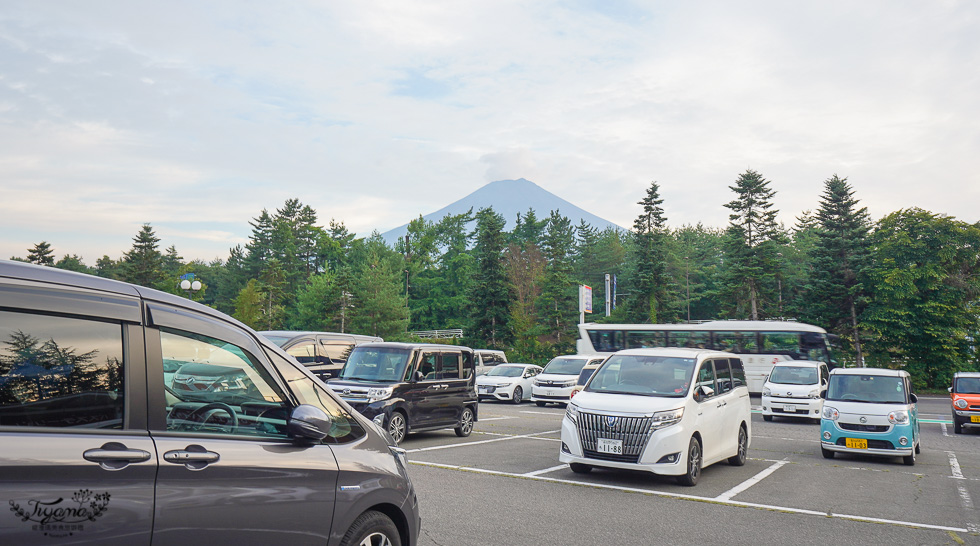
465, 423
397, 427
743, 447
372, 527
909, 460
767, 417
580, 468
957, 426
694, 461
827, 454
540, 403
518, 395
918, 448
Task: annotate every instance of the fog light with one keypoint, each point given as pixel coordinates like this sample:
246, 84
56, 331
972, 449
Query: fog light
672, 458
826, 435
903, 440
564, 448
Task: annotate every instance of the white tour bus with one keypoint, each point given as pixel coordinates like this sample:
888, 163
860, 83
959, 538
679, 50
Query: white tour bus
759, 343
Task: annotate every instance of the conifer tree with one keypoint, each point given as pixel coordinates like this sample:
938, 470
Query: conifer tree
41, 254
558, 303
752, 246
650, 302
490, 298
841, 256
143, 264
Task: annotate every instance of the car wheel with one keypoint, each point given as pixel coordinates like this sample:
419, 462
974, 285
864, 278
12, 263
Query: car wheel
909, 460
918, 448
694, 461
372, 529
465, 423
957, 426
743, 446
540, 403
580, 468
518, 395
397, 427
827, 454
767, 417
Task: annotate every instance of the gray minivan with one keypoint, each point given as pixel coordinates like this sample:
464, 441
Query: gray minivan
324, 353
236, 443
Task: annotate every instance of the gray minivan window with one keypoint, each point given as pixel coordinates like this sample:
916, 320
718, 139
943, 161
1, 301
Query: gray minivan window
60, 372
382, 364
219, 388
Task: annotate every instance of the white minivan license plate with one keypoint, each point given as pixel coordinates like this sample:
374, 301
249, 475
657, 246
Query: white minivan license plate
613, 447
789, 409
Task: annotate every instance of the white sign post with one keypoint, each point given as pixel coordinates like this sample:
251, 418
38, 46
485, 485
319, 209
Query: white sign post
584, 301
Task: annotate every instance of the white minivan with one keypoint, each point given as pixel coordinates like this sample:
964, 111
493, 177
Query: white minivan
556, 382
670, 411
794, 388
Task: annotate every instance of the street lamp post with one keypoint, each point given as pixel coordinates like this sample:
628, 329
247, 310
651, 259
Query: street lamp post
189, 284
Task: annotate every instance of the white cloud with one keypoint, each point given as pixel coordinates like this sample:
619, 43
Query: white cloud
194, 117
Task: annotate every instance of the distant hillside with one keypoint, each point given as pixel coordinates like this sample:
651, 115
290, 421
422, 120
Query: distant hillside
508, 198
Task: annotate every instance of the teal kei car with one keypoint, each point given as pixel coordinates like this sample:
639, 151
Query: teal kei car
870, 411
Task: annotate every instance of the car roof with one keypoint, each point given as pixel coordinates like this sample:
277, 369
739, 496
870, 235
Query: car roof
291, 334
71, 279
401, 345
515, 365
869, 371
966, 374
677, 352
799, 363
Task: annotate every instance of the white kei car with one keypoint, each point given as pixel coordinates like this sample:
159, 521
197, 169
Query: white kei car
508, 382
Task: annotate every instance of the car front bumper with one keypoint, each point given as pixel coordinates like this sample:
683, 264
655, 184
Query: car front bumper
672, 441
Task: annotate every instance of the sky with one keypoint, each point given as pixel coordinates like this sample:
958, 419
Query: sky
195, 116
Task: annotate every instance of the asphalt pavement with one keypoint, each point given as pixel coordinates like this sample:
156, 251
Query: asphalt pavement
504, 485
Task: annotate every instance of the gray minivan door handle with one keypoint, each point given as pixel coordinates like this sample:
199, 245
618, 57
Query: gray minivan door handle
115, 456
194, 457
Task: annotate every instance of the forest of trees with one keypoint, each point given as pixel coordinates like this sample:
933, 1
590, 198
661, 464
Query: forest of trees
900, 291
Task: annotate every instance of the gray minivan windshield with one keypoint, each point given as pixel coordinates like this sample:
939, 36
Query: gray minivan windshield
380, 364
644, 375
794, 375
873, 389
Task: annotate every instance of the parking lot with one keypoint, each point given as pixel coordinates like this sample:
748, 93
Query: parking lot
504, 485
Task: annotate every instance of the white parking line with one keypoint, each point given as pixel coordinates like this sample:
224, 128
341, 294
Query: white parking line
783, 509
546, 470
785, 439
544, 413
485, 419
465, 444
945, 433
727, 495
965, 500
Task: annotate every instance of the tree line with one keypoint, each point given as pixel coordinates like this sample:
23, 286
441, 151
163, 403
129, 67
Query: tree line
902, 291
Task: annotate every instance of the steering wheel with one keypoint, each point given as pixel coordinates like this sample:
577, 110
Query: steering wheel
210, 410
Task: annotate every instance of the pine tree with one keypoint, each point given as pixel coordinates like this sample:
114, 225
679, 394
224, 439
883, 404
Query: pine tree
559, 295
379, 306
490, 298
41, 254
841, 257
651, 299
143, 264
752, 247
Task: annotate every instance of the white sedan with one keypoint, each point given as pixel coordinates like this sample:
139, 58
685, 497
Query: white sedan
507, 382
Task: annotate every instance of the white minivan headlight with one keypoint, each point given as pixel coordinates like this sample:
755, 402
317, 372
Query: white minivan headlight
766, 391
900, 417
663, 419
814, 394
572, 413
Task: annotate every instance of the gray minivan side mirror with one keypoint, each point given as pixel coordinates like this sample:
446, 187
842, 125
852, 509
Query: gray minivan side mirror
309, 423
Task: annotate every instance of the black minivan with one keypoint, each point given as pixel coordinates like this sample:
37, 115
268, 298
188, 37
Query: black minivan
411, 387
131, 416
